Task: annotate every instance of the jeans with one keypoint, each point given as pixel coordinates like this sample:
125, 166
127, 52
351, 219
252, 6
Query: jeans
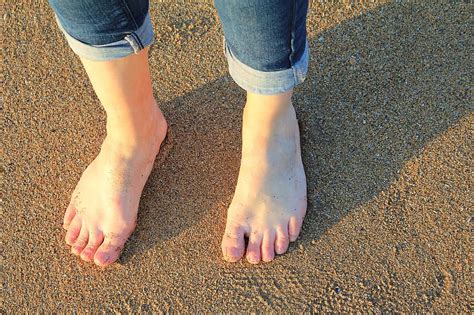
265, 40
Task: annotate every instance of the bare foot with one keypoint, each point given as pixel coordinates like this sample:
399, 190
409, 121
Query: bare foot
103, 209
270, 198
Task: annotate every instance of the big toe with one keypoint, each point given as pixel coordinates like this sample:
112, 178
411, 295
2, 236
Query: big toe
233, 243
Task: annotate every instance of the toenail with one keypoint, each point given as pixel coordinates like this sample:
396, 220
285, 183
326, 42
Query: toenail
281, 249
231, 258
86, 253
232, 255
103, 261
234, 252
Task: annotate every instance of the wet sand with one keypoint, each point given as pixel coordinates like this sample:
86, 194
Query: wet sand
387, 128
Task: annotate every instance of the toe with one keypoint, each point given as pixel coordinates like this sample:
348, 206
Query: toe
73, 230
69, 215
282, 240
233, 243
268, 246
294, 227
81, 241
110, 249
253, 248
95, 240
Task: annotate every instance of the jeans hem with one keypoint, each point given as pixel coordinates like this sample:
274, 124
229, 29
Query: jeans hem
267, 82
131, 44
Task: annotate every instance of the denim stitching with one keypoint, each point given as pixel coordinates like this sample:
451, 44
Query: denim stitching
133, 43
132, 38
248, 85
137, 39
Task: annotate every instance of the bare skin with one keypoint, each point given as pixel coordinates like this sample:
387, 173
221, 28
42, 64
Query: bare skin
270, 198
103, 209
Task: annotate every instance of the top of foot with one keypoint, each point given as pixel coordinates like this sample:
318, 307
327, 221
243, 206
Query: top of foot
270, 198
103, 209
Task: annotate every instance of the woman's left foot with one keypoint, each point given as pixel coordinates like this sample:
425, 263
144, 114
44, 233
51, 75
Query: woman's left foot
270, 198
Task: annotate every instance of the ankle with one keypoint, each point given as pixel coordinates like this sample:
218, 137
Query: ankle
269, 110
269, 103
271, 145
137, 130
269, 124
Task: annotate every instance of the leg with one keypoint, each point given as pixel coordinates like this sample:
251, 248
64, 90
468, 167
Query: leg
267, 58
103, 209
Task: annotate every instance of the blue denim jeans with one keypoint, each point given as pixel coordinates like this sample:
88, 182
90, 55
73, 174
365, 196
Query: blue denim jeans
265, 40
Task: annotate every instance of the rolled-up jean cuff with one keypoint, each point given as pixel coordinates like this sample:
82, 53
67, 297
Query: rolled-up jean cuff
132, 43
267, 82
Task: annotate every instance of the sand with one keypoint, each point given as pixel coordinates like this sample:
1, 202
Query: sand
387, 127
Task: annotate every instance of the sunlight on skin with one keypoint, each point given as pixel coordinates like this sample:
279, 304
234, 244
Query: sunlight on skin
270, 198
103, 209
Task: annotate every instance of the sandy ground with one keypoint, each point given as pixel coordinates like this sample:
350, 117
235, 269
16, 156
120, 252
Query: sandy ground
387, 129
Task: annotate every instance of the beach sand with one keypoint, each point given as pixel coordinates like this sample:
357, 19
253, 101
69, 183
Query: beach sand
386, 128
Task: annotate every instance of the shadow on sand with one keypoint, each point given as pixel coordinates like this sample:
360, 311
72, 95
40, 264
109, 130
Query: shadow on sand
375, 95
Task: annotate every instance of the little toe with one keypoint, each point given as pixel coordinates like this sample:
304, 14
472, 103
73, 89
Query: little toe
294, 227
73, 230
253, 248
268, 246
81, 241
282, 240
109, 251
95, 240
233, 243
69, 215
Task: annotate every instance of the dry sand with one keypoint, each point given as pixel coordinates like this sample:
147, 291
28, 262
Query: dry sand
387, 128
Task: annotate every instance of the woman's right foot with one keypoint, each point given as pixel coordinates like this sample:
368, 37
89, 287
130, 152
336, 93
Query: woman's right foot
103, 209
